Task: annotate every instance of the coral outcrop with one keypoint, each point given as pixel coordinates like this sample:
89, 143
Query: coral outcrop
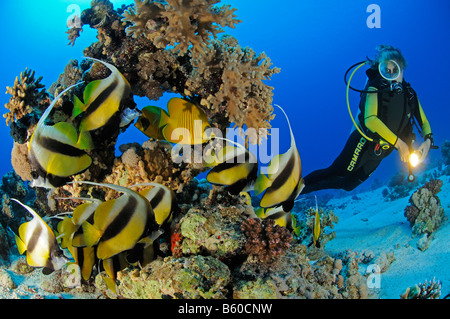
219, 75
192, 277
178, 23
266, 241
425, 214
426, 290
27, 94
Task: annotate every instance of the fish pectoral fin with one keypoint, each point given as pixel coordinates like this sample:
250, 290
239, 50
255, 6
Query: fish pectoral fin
260, 212
85, 141
20, 245
165, 119
261, 184
78, 107
91, 234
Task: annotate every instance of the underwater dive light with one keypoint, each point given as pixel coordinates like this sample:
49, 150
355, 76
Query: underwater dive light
414, 158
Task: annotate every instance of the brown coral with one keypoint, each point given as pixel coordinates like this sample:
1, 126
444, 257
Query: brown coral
230, 81
426, 290
265, 240
26, 94
425, 213
179, 23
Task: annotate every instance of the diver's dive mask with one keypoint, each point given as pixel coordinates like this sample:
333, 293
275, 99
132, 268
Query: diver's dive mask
390, 71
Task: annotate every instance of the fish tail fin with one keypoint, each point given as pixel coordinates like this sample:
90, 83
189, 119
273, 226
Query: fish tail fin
78, 107
20, 245
91, 234
262, 183
289, 124
85, 141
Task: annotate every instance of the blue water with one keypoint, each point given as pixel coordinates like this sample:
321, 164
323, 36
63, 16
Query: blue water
313, 42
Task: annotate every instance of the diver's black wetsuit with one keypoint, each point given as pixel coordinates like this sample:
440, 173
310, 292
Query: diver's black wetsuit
359, 158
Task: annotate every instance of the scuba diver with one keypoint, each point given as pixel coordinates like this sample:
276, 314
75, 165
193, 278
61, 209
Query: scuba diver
389, 108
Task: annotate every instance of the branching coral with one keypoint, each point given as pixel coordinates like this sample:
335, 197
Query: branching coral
27, 93
426, 290
229, 79
265, 240
425, 213
179, 23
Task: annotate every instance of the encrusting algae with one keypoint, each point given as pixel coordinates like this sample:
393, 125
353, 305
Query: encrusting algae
209, 243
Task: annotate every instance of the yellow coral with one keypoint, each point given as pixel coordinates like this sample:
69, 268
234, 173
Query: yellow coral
27, 93
179, 23
241, 94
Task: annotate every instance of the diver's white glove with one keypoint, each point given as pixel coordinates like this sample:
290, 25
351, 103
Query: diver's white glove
424, 148
403, 150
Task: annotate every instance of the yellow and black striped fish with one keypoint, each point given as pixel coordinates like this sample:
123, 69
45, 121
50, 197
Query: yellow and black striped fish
280, 217
119, 223
71, 235
162, 199
236, 168
284, 181
148, 122
105, 101
57, 152
37, 239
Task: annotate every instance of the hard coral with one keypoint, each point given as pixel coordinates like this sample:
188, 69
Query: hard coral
27, 93
426, 290
229, 80
425, 213
179, 23
265, 240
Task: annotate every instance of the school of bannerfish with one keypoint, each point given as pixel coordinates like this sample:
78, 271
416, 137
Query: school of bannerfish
125, 230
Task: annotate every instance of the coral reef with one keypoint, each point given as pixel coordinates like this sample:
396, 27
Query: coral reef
224, 78
425, 214
27, 94
265, 240
192, 277
426, 290
328, 219
178, 23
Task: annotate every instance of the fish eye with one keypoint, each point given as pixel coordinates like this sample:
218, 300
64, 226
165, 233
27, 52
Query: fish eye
34, 175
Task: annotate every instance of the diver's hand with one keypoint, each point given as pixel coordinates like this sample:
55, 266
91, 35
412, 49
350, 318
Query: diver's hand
403, 150
424, 149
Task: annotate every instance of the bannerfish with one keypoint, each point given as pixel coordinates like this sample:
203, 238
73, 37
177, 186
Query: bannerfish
104, 102
72, 238
280, 217
119, 223
284, 182
162, 199
148, 122
236, 168
316, 230
184, 122
37, 239
57, 152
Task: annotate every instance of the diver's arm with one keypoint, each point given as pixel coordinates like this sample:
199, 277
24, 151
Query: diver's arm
372, 121
374, 124
424, 148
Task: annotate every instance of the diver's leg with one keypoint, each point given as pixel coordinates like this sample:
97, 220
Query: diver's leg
335, 176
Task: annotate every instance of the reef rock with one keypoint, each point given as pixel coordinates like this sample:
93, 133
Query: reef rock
425, 214
186, 277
